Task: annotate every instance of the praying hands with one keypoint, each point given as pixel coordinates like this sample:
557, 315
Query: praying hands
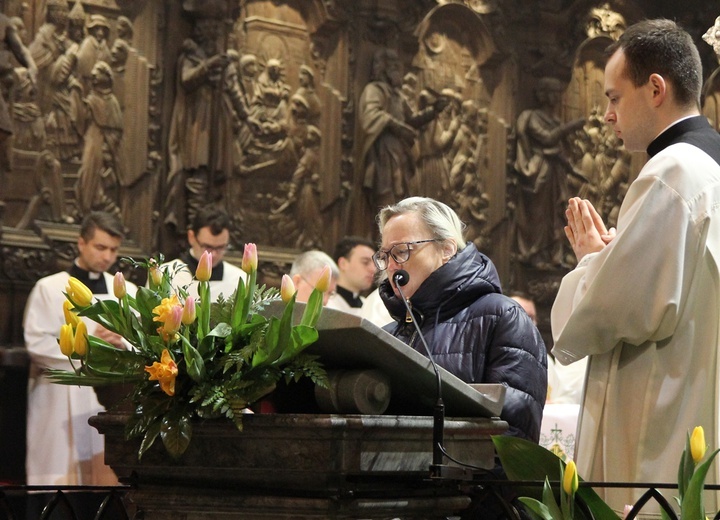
585, 230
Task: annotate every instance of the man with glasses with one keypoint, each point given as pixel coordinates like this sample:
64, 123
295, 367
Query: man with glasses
210, 232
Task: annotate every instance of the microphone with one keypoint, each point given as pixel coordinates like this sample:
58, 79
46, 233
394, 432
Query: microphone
401, 279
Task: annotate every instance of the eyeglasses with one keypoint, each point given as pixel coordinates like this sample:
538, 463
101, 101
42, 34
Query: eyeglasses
213, 249
399, 252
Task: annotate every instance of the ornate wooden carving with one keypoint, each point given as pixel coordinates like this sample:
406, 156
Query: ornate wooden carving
263, 107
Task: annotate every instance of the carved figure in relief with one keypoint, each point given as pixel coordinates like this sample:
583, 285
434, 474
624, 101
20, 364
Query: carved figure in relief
273, 92
94, 48
248, 78
49, 44
99, 172
28, 121
270, 109
542, 166
32, 159
602, 172
65, 119
298, 121
131, 86
20, 29
76, 23
206, 116
306, 90
385, 158
615, 184
465, 144
247, 83
473, 203
10, 46
434, 140
267, 140
119, 54
305, 190
125, 29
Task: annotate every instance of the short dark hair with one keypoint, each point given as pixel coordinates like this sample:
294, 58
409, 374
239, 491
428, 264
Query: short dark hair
662, 47
214, 218
103, 221
347, 244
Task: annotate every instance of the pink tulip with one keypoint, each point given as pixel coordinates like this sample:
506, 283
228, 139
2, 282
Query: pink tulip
119, 287
204, 268
250, 258
172, 324
189, 313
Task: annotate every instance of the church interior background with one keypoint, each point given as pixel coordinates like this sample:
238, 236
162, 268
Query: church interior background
301, 118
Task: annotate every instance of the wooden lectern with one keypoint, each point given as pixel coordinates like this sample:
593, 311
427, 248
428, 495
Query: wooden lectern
323, 465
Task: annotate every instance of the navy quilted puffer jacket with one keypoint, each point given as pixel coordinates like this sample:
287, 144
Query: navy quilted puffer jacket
478, 334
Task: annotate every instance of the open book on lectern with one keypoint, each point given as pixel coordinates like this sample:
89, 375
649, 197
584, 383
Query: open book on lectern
348, 342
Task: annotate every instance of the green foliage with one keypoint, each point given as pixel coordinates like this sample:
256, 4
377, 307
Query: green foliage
228, 358
525, 460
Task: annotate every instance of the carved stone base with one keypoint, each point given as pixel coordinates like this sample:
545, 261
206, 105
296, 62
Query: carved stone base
300, 467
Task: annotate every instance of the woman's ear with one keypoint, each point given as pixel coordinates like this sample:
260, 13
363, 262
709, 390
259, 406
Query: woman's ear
449, 249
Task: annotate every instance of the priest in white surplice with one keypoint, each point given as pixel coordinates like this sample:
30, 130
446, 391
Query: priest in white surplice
644, 302
62, 448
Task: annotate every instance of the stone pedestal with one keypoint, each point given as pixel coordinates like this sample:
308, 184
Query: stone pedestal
300, 466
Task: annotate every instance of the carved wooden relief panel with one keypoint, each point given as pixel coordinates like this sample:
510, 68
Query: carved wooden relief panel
301, 117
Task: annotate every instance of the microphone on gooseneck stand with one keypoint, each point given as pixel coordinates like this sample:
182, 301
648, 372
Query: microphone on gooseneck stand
401, 278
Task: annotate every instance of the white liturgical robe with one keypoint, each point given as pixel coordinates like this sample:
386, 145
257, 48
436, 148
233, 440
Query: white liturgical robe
62, 448
646, 310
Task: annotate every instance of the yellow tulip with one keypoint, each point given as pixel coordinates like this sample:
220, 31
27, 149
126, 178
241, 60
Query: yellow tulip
80, 343
162, 311
156, 276
119, 287
169, 313
164, 372
66, 339
70, 317
323, 283
204, 268
287, 288
570, 479
697, 444
79, 292
250, 258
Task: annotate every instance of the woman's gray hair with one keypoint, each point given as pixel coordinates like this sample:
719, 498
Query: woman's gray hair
439, 218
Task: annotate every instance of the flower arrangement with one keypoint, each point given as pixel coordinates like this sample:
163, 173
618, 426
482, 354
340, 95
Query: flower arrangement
190, 359
524, 460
